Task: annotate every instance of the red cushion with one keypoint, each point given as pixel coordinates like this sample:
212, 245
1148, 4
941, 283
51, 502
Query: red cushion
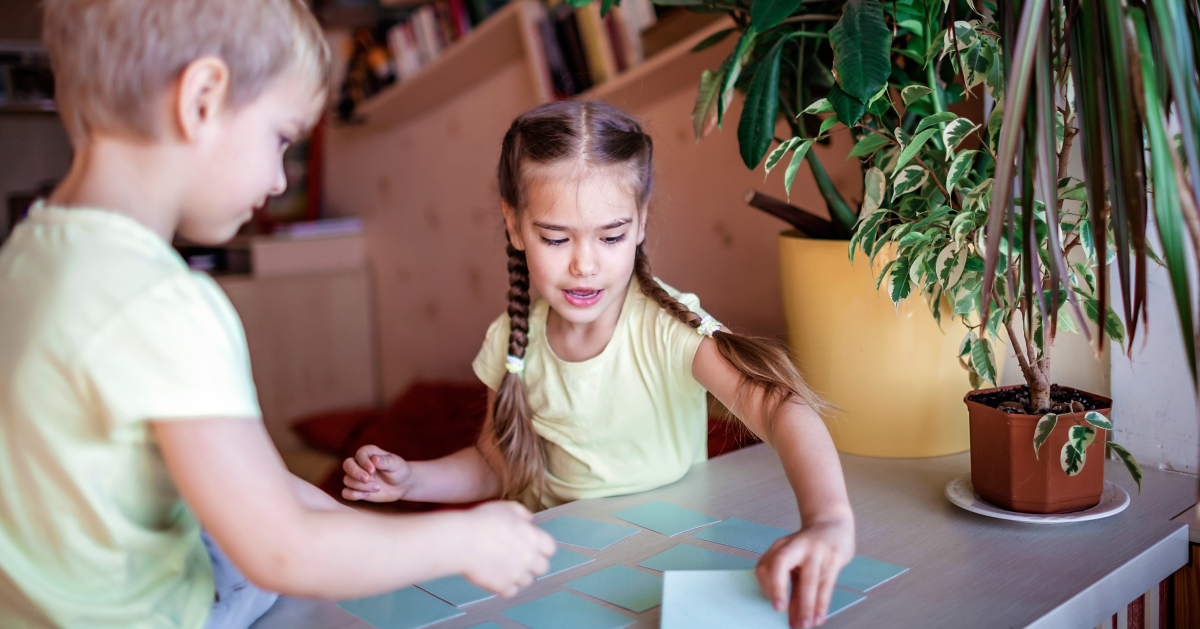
333, 432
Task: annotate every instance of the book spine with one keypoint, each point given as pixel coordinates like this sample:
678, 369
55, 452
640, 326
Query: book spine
572, 46
560, 72
596, 44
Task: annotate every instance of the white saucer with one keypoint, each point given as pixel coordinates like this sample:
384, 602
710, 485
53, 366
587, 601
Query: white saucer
1112, 501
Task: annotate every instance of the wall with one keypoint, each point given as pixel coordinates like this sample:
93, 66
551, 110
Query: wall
33, 148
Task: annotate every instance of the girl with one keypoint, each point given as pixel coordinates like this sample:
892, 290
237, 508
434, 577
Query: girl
598, 387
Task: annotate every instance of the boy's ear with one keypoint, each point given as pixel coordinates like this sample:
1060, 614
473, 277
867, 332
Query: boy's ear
200, 96
514, 229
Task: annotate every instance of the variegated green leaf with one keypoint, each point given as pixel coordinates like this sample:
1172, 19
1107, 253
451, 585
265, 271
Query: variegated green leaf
1072, 459
789, 175
935, 119
777, 155
1131, 463
914, 93
704, 114
959, 167
909, 179
912, 147
1097, 420
899, 285
982, 360
1042, 431
821, 106
828, 124
874, 189
1083, 435
869, 144
993, 127
956, 132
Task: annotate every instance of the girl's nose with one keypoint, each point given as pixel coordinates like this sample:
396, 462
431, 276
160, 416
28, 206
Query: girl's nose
584, 263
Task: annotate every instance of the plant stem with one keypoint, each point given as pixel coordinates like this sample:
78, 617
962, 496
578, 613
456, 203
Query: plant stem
812, 17
939, 98
840, 211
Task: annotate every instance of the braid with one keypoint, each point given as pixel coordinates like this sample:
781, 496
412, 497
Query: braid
761, 362
512, 421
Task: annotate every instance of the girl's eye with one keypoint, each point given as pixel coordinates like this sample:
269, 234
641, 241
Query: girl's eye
612, 240
553, 243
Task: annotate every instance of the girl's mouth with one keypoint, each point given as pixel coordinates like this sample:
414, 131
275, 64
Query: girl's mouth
583, 297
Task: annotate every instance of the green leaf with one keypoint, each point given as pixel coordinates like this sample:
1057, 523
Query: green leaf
914, 93
820, 106
828, 124
713, 40
849, 109
982, 360
911, 149
899, 285
862, 43
958, 168
874, 190
993, 126
735, 62
1097, 420
757, 126
1042, 431
869, 144
1131, 463
956, 132
789, 175
704, 113
766, 14
909, 179
1072, 459
1082, 435
605, 6
1112, 323
935, 119
777, 155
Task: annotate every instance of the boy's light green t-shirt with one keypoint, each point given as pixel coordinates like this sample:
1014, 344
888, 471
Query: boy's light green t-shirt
631, 419
102, 327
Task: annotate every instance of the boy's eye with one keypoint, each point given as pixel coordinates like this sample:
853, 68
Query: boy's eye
284, 143
553, 243
612, 240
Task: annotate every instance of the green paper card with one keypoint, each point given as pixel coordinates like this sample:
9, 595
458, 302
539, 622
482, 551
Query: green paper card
622, 586
566, 611
721, 599
751, 536
406, 608
591, 534
687, 557
455, 590
863, 574
664, 517
564, 559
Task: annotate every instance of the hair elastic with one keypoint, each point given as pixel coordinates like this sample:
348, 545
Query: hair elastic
514, 364
708, 326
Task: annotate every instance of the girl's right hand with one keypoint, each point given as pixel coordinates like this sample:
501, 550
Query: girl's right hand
376, 475
509, 550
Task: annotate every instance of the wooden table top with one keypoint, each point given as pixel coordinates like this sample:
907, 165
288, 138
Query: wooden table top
965, 569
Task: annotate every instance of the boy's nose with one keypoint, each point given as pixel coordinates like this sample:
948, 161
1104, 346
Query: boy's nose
280, 183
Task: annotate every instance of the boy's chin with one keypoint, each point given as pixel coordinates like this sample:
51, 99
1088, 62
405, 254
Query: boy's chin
210, 234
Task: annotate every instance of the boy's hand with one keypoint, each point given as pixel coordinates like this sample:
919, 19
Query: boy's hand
509, 550
810, 562
375, 475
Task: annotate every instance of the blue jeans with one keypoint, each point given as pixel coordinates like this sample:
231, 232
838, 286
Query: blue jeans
238, 602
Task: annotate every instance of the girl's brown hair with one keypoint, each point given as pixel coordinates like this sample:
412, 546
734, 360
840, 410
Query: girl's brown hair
598, 135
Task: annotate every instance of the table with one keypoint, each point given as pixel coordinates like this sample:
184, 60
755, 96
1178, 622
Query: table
965, 569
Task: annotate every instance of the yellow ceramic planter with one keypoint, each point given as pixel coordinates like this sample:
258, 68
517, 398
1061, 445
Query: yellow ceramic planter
894, 373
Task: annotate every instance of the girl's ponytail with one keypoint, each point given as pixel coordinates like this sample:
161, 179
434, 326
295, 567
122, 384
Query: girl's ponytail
760, 362
512, 422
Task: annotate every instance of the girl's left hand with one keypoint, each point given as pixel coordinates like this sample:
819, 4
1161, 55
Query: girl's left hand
816, 555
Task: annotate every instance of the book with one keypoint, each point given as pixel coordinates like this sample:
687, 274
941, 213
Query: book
597, 45
572, 47
560, 73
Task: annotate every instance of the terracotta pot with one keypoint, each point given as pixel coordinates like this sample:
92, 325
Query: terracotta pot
1005, 472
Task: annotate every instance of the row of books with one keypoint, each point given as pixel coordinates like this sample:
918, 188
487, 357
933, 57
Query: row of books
582, 48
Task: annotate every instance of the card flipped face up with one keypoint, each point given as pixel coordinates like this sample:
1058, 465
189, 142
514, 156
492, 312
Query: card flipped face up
664, 517
406, 608
586, 533
727, 599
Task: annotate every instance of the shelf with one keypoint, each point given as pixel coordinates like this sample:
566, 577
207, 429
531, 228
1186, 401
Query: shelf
508, 36
31, 107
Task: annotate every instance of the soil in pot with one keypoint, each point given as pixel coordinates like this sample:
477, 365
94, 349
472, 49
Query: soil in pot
1006, 471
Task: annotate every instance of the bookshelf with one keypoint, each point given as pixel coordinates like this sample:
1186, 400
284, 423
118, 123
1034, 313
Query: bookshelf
510, 35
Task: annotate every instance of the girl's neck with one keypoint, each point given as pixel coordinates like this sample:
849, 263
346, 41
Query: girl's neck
577, 342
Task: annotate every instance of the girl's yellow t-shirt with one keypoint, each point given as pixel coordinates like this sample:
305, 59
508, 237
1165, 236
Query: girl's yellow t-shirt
631, 419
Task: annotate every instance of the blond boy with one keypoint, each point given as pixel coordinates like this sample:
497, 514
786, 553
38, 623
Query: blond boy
125, 385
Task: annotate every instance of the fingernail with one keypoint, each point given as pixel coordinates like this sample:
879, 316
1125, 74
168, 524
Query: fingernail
374, 487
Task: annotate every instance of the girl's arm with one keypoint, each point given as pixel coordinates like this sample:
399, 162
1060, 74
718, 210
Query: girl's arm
465, 476
825, 542
230, 474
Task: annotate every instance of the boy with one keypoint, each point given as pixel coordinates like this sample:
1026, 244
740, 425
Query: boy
125, 384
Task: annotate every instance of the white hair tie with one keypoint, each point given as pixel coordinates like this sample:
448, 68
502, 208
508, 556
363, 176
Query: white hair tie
514, 364
708, 326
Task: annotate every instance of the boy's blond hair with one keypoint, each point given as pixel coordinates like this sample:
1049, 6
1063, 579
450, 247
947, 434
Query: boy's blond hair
114, 60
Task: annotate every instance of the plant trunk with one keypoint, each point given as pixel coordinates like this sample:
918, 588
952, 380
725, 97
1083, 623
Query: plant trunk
1038, 380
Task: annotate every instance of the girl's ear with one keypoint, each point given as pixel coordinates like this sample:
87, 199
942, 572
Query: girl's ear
200, 95
513, 226
643, 214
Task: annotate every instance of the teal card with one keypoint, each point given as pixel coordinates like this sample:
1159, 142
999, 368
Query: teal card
623, 586
575, 531
486, 625
455, 590
664, 517
751, 536
564, 559
406, 608
862, 573
687, 557
719, 599
566, 611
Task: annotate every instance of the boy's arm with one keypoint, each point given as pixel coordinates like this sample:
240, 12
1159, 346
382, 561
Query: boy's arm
825, 542
230, 474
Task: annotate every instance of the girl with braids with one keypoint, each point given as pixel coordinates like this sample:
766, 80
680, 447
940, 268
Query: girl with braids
598, 387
